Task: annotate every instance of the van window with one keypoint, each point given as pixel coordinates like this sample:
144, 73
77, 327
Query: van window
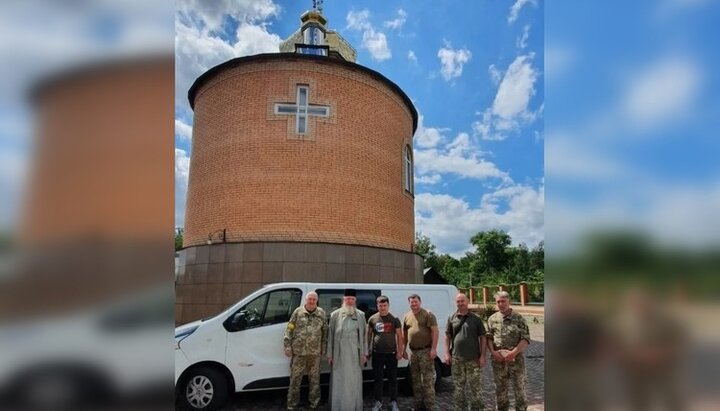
281, 305
331, 299
270, 308
254, 311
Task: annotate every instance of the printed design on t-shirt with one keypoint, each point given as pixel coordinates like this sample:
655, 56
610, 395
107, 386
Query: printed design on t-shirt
384, 327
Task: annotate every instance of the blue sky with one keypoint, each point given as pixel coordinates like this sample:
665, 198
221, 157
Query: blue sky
474, 71
631, 137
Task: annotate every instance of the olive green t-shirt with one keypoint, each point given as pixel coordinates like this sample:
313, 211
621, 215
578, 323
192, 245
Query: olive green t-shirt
417, 327
465, 332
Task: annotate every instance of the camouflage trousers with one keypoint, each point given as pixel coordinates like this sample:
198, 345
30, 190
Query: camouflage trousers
467, 378
422, 369
506, 373
299, 366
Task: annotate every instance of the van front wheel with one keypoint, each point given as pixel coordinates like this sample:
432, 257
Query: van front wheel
204, 389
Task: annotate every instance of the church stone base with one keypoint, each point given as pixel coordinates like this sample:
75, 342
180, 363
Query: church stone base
212, 277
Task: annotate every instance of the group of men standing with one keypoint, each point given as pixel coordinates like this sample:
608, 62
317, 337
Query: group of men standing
348, 341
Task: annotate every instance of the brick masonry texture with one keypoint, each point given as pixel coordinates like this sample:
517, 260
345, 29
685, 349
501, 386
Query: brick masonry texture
251, 175
212, 277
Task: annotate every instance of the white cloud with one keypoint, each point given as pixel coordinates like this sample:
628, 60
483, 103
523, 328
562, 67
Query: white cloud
182, 172
451, 221
675, 215
49, 37
373, 41
516, 88
461, 158
428, 137
664, 91
521, 42
685, 214
183, 130
538, 135
557, 59
676, 9
516, 7
431, 179
358, 20
213, 13
255, 39
452, 61
484, 128
510, 110
495, 74
376, 43
568, 158
197, 49
411, 56
664, 94
397, 23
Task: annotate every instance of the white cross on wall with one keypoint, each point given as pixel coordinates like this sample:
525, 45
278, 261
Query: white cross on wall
302, 109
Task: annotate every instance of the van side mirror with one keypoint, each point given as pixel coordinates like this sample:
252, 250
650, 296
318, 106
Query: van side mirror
237, 322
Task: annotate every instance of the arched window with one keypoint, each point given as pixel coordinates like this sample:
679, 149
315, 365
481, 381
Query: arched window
408, 169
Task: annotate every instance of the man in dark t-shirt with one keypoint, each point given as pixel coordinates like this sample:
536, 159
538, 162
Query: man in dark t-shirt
385, 340
465, 344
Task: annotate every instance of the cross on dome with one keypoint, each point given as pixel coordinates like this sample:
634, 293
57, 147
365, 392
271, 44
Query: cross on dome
317, 5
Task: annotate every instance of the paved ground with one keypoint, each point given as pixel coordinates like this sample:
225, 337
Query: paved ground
535, 362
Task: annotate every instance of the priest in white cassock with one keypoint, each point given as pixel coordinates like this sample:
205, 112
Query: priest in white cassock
346, 351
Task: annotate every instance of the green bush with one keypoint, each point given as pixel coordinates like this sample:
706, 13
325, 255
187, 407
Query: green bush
486, 312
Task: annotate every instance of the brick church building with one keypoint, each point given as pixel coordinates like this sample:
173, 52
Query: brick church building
301, 170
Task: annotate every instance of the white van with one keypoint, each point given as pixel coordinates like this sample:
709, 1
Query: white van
241, 348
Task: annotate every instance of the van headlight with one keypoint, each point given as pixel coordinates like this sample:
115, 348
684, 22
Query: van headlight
183, 334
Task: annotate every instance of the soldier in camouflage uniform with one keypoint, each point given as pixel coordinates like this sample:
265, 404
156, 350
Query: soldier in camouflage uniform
304, 341
420, 332
508, 336
465, 344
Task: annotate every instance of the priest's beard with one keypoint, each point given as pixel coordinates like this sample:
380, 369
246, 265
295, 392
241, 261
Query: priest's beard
349, 310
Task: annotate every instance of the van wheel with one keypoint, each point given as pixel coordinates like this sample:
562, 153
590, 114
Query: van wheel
205, 389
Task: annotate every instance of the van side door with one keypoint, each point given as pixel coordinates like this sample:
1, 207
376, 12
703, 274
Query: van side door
254, 351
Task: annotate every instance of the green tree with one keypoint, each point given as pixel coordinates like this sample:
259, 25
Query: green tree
537, 256
521, 266
492, 254
423, 245
426, 249
179, 238
494, 260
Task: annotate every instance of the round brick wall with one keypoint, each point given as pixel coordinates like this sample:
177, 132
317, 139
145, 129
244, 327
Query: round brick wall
253, 176
103, 158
